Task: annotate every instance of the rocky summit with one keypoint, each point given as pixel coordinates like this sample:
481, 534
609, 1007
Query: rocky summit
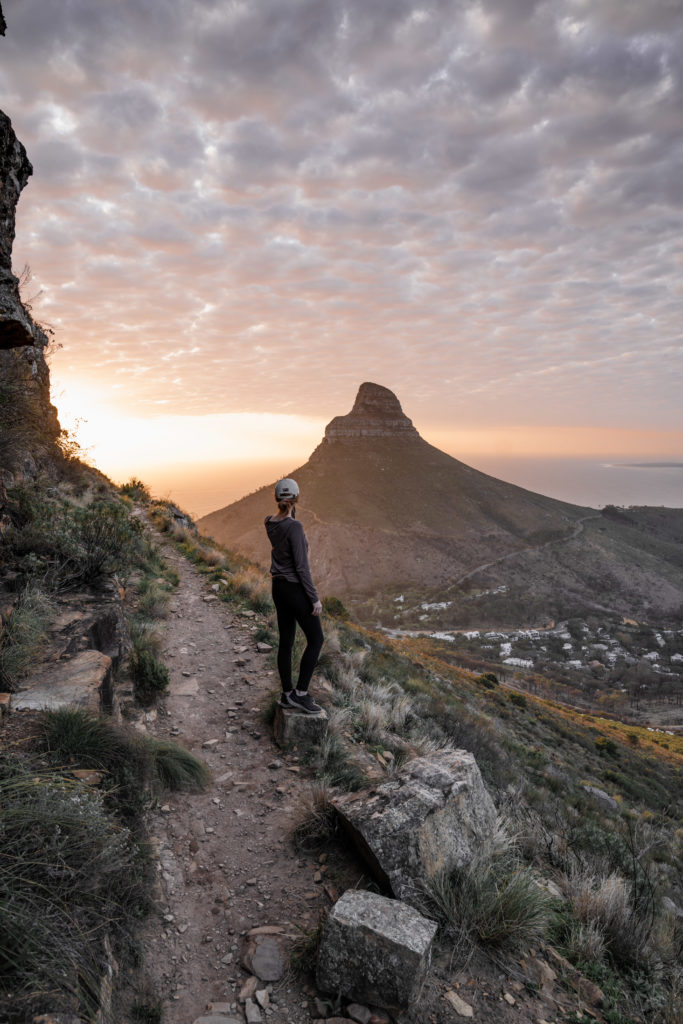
376, 412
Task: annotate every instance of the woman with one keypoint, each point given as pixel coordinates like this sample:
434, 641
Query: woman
295, 597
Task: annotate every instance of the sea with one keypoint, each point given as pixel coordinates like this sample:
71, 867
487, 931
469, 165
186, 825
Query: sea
200, 489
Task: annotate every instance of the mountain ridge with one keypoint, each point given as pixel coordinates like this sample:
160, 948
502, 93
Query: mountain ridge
382, 506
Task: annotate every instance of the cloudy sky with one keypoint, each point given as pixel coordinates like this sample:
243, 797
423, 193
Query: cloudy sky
242, 209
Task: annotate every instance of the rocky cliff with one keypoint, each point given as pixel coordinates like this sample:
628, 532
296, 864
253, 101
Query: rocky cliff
376, 412
16, 326
28, 421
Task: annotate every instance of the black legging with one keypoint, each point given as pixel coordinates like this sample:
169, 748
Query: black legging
293, 605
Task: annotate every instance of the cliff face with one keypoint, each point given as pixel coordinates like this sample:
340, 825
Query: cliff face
16, 326
376, 412
28, 421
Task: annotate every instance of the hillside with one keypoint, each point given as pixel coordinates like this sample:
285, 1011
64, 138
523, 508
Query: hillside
385, 511
381, 506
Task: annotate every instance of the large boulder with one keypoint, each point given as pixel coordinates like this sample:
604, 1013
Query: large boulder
430, 818
374, 950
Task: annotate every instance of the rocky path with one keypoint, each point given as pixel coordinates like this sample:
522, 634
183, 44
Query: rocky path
227, 865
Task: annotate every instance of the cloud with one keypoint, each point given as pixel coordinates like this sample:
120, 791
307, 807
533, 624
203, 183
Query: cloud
476, 204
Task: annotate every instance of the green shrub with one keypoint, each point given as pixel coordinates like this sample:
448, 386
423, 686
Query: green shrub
175, 767
69, 545
494, 901
603, 745
488, 680
150, 676
333, 607
136, 490
69, 876
22, 635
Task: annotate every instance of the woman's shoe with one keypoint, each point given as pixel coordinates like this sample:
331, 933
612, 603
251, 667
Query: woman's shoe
304, 703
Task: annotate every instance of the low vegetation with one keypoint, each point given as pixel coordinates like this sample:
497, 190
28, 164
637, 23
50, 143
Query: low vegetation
74, 864
22, 634
67, 544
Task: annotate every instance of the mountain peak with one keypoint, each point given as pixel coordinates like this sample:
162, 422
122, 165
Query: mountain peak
376, 412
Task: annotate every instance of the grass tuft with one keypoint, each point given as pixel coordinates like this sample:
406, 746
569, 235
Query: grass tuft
316, 820
22, 635
495, 901
151, 678
175, 767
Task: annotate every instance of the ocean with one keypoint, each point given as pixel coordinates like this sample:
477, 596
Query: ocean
202, 489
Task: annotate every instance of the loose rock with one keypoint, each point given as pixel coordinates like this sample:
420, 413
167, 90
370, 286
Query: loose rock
374, 950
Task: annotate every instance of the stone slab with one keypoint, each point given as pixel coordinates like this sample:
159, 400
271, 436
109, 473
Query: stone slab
375, 951
293, 729
85, 681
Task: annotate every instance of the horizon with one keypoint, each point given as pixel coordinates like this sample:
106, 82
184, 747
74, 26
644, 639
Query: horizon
229, 218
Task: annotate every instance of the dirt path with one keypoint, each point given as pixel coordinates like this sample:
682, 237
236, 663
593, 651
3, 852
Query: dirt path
226, 863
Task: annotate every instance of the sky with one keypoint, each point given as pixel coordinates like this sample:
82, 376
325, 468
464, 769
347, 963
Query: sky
240, 211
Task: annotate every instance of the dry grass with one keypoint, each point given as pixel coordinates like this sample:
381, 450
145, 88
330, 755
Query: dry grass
315, 822
22, 635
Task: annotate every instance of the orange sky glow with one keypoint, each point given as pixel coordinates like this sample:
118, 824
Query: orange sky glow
240, 212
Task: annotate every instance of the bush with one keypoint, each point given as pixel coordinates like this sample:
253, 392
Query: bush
150, 676
488, 680
69, 545
333, 607
603, 745
22, 635
69, 876
518, 699
494, 901
175, 767
136, 490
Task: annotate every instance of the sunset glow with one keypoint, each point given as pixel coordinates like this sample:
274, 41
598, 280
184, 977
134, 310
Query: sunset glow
240, 212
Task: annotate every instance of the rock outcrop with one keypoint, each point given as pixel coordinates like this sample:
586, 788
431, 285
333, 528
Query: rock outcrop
376, 412
16, 326
28, 421
85, 681
375, 950
431, 818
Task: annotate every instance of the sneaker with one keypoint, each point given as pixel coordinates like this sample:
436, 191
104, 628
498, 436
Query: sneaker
286, 699
304, 703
